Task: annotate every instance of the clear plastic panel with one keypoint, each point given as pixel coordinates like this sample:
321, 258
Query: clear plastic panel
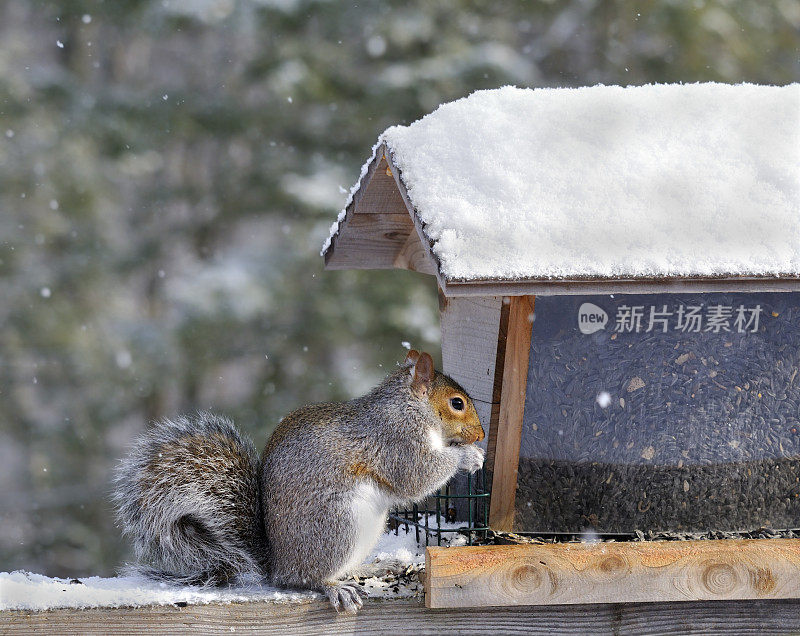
668, 412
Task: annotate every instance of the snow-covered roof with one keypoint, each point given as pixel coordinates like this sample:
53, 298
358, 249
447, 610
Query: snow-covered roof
679, 180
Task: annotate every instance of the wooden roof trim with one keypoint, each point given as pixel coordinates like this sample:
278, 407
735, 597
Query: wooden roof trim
350, 209
412, 248
630, 285
420, 227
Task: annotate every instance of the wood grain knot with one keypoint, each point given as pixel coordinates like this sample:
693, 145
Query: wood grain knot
526, 578
720, 578
612, 564
762, 580
607, 568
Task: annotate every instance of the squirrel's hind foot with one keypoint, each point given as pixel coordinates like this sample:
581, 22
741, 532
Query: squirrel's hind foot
344, 597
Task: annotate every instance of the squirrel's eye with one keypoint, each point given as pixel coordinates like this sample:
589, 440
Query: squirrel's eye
457, 403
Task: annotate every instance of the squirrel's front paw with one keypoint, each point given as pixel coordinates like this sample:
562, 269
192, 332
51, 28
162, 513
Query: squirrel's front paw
471, 458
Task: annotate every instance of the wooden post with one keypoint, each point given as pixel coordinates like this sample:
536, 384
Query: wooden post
512, 406
629, 572
469, 340
497, 389
469, 337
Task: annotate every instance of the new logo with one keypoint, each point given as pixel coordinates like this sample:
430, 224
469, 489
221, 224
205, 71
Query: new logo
591, 318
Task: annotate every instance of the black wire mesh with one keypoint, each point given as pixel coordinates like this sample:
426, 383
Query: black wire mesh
472, 509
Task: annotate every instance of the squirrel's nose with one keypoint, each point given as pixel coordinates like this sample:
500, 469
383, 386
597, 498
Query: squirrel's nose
473, 434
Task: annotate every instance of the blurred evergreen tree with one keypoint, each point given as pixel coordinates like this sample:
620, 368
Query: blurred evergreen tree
169, 169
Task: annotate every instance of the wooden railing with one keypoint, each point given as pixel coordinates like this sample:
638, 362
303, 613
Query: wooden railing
389, 618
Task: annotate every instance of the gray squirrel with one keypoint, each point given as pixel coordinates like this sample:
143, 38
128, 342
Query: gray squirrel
202, 508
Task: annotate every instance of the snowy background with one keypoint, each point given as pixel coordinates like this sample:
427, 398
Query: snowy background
169, 169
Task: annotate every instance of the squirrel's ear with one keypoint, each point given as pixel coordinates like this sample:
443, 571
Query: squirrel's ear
411, 358
423, 374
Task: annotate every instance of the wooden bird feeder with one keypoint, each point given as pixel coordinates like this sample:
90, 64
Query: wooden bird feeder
619, 292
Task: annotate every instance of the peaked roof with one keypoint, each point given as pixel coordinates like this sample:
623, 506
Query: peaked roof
682, 186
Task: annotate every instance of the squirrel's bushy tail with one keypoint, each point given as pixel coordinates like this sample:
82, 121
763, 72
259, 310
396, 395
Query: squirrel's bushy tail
188, 496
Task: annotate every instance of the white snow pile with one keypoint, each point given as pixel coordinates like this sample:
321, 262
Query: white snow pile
656, 180
27, 591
